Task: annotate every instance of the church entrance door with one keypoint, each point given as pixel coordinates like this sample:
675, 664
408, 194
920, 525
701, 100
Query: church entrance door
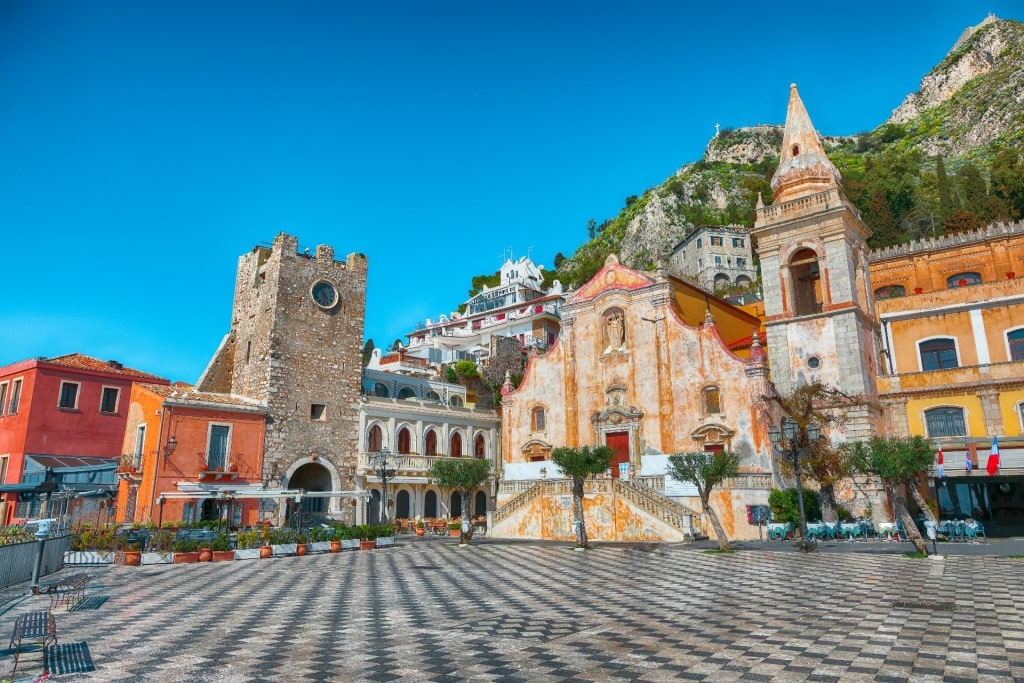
618, 442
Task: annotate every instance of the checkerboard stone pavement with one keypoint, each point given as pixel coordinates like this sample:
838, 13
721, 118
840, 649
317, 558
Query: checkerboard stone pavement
542, 612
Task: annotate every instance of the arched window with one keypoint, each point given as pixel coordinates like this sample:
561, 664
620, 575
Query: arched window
456, 449
890, 292
537, 419
938, 354
945, 422
803, 269
963, 279
479, 446
404, 441
1016, 341
380, 389
374, 439
455, 401
712, 404
455, 506
432, 396
406, 392
430, 504
431, 442
480, 504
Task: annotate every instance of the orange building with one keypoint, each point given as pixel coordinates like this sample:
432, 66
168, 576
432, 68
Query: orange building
188, 454
952, 318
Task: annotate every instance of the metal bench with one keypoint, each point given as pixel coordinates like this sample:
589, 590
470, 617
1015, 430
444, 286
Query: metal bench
37, 628
68, 591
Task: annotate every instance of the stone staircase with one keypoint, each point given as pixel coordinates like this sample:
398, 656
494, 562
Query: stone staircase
518, 503
642, 497
655, 504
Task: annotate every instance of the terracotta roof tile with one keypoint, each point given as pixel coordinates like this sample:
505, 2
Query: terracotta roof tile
188, 394
83, 362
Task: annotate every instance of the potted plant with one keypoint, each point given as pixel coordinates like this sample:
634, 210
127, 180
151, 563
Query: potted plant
319, 540
300, 544
421, 528
221, 548
130, 554
247, 545
367, 537
185, 551
284, 541
455, 529
266, 549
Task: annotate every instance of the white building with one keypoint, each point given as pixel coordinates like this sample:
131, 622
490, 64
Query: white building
517, 308
420, 421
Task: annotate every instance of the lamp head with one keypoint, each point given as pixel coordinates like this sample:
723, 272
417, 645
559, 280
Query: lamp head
813, 432
789, 429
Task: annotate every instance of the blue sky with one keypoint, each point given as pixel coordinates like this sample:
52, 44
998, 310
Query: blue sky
146, 145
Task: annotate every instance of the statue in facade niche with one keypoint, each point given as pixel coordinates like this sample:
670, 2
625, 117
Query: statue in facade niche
616, 332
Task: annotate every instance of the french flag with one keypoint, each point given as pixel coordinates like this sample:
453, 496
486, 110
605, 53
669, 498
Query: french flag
993, 457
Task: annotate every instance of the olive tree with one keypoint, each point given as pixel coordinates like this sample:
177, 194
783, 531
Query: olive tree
897, 461
821, 405
463, 475
706, 471
578, 464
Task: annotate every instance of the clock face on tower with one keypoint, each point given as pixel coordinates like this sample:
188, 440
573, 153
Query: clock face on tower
324, 294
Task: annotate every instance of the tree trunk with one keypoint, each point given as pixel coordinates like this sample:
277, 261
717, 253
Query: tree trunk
899, 504
723, 540
466, 536
922, 503
577, 512
827, 500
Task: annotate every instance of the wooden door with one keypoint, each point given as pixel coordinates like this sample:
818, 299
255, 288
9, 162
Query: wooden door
618, 442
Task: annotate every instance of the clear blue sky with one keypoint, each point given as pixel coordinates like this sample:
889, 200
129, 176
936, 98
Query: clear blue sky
145, 145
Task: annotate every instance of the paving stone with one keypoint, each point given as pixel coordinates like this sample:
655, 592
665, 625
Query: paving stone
541, 612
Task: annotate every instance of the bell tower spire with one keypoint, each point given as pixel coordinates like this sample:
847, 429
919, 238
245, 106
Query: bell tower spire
804, 169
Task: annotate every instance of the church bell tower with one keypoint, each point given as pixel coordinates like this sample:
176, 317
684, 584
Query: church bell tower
819, 312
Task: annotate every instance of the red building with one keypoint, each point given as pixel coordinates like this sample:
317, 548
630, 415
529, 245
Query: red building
62, 425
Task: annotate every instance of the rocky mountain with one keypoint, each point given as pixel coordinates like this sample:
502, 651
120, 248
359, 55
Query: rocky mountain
919, 172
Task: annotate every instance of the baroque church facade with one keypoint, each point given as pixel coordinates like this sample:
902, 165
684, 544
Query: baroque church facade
648, 368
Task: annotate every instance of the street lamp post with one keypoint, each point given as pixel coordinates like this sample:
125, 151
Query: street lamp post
789, 438
385, 467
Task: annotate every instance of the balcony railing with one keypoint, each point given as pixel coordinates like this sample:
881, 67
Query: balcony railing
406, 464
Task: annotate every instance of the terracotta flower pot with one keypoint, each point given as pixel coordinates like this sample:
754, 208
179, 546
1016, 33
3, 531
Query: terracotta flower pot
335, 546
223, 555
186, 558
300, 548
266, 551
367, 545
205, 555
132, 558
420, 531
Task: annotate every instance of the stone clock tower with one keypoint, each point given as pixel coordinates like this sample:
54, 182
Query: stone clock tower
295, 343
818, 301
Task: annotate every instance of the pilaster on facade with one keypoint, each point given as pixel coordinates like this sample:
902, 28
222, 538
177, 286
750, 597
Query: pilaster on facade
991, 412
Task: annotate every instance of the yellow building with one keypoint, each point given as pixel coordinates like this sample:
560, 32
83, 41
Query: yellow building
952, 317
